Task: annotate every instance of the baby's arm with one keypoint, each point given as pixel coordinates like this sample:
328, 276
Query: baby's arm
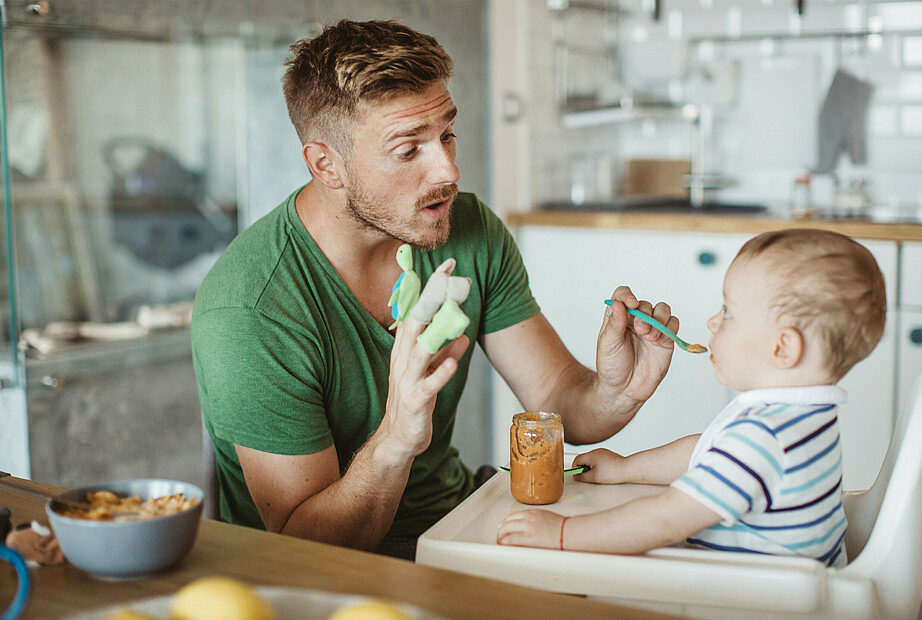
659, 465
637, 526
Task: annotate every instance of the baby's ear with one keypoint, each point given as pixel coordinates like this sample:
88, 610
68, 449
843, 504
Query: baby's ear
788, 349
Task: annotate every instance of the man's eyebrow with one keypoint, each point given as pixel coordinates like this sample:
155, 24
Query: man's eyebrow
448, 117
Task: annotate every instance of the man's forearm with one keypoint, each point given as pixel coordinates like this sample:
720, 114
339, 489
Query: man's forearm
591, 412
358, 509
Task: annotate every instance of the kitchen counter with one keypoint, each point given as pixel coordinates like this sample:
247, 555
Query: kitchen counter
720, 223
265, 559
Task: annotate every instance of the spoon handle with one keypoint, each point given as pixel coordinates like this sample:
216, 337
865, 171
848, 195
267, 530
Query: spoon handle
39, 494
646, 318
691, 348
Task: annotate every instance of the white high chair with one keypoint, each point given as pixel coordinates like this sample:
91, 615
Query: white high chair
883, 578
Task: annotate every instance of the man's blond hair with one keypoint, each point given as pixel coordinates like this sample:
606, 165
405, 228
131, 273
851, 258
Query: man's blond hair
828, 285
351, 63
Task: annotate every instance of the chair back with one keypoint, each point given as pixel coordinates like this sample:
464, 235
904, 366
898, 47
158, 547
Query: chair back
885, 522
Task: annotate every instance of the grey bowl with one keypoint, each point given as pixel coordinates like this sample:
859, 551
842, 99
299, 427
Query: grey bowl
128, 549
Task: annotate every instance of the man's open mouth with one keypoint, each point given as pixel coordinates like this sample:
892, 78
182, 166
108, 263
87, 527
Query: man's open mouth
436, 205
438, 201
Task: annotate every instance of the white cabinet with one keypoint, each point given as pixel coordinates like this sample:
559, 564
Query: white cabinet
909, 338
573, 270
909, 352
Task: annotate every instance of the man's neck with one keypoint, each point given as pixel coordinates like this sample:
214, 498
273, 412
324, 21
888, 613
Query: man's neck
342, 239
364, 259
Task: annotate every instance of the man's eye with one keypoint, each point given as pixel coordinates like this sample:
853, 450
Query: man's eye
407, 154
726, 313
448, 137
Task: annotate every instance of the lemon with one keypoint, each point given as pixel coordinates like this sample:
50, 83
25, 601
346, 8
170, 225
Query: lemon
219, 598
129, 614
372, 610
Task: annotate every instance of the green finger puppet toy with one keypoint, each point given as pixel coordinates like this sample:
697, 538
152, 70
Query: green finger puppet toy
437, 306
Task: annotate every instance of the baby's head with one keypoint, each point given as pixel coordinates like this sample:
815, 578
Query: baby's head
801, 307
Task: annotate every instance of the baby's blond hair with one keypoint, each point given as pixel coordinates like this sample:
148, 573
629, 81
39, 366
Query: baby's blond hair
828, 285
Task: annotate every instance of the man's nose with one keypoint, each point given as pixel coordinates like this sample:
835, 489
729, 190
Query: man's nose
443, 169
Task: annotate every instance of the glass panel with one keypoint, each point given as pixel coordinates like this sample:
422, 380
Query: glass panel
125, 184
14, 452
142, 136
123, 160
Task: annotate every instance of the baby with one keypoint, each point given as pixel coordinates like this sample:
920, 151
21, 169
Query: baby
801, 307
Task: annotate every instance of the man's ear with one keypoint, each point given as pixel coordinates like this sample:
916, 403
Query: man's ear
323, 162
788, 349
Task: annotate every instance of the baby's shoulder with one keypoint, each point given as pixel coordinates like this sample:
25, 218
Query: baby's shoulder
790, 418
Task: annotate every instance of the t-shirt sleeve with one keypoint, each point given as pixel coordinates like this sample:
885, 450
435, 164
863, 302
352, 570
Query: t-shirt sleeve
509, 299
740, 472
261, 382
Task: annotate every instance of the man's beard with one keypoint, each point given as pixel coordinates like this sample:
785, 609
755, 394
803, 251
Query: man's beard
364, 210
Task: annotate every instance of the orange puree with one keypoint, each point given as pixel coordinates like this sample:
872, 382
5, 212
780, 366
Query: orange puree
536, 457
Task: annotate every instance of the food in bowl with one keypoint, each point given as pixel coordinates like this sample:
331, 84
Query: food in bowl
106, 506
128, 549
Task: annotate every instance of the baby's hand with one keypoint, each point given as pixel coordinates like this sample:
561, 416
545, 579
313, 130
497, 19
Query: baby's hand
605, 467
531, 528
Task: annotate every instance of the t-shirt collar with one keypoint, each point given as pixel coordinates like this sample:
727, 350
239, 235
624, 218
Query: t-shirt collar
805, 395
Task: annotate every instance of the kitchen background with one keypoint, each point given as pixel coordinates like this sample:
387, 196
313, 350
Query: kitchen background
607, 83
141, 136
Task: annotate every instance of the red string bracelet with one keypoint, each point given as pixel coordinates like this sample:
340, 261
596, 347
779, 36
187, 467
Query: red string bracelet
562, 523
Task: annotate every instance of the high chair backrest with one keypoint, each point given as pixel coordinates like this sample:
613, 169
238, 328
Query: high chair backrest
884, 540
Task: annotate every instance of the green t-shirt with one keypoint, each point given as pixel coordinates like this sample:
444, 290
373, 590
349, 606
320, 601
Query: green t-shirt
289, 362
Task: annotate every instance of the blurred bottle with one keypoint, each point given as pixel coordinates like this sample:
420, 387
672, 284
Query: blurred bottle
853, 200
801, 199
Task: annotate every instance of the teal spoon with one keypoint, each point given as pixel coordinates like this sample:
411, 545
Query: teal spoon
691, 348
579, 469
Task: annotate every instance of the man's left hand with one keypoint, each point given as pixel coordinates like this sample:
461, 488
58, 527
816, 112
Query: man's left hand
632, 357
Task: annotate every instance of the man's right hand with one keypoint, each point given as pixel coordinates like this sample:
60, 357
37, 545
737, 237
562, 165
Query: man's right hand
414, 382
305, 496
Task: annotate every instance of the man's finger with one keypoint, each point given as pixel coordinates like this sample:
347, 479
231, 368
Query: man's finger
624, 295
455, 349
447, 266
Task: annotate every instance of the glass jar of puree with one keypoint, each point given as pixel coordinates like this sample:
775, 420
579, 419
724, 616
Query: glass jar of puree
536, 457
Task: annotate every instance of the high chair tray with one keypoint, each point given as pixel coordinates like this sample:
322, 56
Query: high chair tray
465, 541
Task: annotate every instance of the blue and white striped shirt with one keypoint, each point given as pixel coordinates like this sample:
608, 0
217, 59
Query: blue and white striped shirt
771, 465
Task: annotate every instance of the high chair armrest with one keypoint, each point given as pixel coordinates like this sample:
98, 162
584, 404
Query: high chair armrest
688, 576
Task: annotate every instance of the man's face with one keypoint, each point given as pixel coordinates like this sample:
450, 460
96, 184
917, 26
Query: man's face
743, 332
400, 176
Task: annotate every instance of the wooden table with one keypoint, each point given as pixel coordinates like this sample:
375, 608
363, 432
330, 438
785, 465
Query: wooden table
261, 558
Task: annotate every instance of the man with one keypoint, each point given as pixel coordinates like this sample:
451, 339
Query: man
325, 424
